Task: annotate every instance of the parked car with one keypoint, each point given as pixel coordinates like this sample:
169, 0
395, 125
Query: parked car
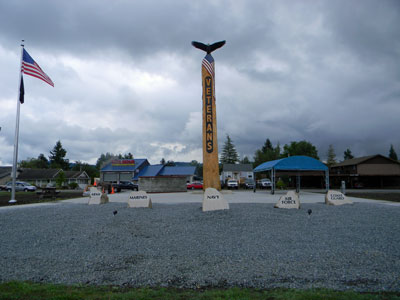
125, 185
195, 185
264, 183
232, 184
249, 184
20, 186
358, 185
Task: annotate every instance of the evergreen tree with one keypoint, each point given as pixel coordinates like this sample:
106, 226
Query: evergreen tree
42, 162
267, 146
57, 155
277, 151
229, 154
392, 153
347, 154
331, 156
245, 160
162, 161
266, 153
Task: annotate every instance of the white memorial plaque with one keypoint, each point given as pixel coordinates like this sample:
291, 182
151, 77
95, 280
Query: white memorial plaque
213, 200
336, 198
290, 200
139, 199
97, 197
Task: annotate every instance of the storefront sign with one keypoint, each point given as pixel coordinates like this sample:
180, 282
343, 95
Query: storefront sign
123, 162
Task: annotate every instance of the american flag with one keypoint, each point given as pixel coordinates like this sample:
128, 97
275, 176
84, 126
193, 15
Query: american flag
30, 67
208, 63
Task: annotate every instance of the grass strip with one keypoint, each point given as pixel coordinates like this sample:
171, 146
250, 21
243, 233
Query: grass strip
32, 197
27, 290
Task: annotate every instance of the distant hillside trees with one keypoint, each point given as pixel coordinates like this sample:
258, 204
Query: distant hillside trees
103, 158
268, 152
35, 163
300, 148
91, 170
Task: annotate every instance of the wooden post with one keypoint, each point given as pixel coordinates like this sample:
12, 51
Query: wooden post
210, 142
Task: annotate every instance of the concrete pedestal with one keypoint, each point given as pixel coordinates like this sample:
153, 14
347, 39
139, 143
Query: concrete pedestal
139, 199
290, 200
213, 200
97, 197
336, 198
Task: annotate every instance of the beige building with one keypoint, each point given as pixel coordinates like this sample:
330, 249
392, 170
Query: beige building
374, 171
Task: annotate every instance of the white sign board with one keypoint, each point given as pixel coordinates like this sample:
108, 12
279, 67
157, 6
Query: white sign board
139, 199
213, 200
97, 197
336, 198
290, 200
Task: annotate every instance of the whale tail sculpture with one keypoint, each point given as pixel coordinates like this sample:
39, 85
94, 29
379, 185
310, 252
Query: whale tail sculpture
208, 48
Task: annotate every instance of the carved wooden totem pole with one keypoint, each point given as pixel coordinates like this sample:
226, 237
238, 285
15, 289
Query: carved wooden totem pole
210, 143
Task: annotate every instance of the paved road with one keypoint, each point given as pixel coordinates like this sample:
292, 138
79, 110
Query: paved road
261, 196
241, 196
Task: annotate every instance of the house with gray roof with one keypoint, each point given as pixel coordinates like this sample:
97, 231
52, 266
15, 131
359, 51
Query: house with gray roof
240, 172
5, 175
46, 177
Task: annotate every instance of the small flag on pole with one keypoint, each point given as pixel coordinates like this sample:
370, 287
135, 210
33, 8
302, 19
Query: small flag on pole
21, 90
30, 67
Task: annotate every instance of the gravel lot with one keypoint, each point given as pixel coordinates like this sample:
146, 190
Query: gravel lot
252, 245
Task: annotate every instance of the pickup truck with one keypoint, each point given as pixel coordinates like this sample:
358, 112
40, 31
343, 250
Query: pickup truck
125, 185
232, 184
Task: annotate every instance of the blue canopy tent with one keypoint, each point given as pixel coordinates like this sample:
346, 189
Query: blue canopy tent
293, 163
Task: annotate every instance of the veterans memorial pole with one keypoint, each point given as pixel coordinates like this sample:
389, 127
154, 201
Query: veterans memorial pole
210, 143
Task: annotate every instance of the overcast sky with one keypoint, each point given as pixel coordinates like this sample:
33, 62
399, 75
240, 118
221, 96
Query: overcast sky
128, 80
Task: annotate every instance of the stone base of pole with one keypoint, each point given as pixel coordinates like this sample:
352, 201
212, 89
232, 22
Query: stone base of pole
213, 200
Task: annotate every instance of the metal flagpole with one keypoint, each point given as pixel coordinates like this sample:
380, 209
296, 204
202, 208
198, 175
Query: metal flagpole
15, 158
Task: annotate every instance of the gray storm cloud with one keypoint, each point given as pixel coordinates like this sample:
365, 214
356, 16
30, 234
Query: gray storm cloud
128, 80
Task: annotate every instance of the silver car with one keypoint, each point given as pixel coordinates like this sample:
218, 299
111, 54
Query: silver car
20, 186
265, 183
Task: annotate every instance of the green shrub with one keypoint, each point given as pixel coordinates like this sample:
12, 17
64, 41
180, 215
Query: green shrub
280, 184
73, 185
60, 179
